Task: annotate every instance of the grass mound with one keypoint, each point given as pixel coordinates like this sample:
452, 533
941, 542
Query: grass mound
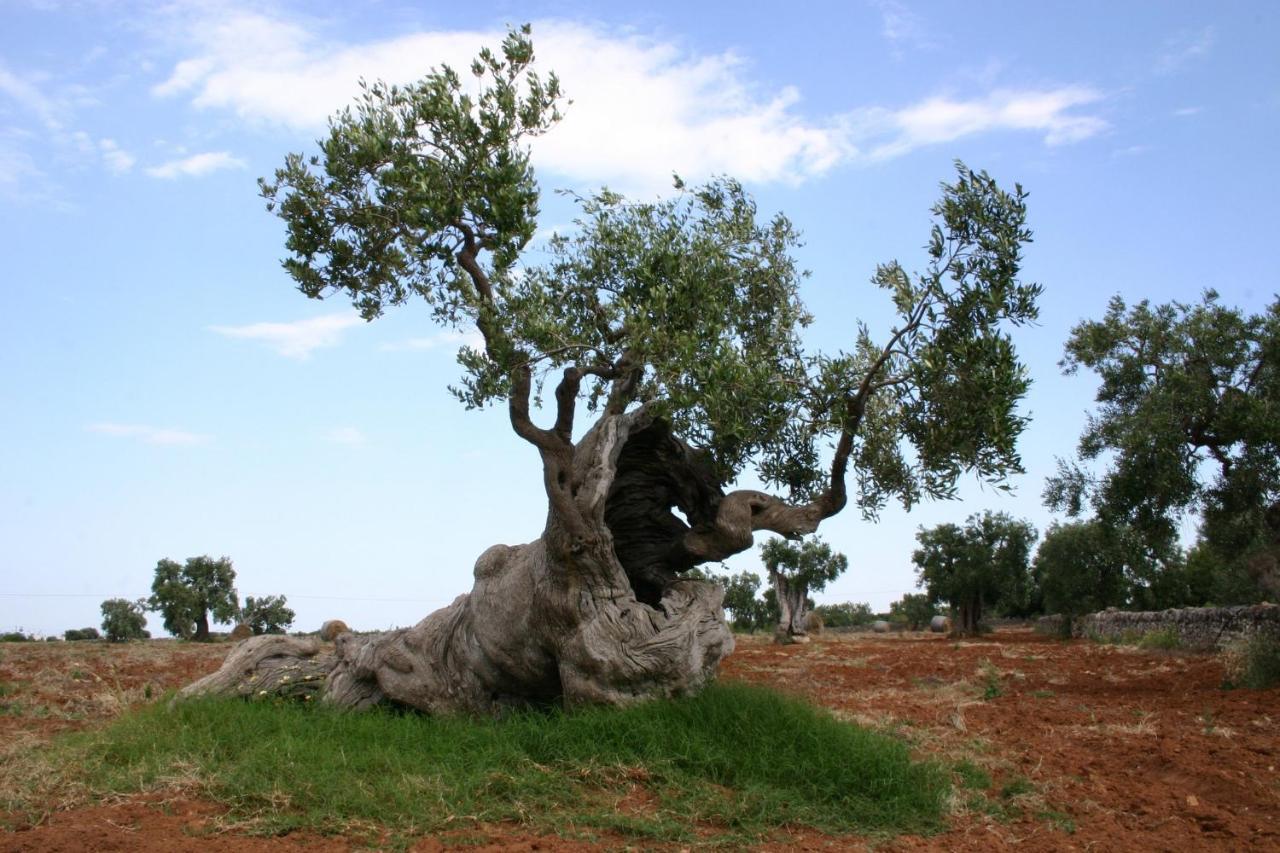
736, 761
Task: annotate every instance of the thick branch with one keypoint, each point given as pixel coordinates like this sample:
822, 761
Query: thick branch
742, 513
626, 376
518, 411
566, 402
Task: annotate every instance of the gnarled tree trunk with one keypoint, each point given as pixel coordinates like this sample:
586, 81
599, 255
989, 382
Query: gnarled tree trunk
793, 602
594, 611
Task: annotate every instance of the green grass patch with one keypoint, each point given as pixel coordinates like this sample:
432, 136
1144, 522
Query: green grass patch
972, 776
1059, 820
1015, 787
990, 677
1164, 638
737, 759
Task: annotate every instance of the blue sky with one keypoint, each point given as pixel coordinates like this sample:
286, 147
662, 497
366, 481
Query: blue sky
166, 392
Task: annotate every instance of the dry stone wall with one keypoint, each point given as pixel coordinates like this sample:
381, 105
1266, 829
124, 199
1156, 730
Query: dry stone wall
1196, 627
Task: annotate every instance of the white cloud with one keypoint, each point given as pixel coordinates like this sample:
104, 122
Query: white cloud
1131, 151
448, 338
196, 165
1187, 112
53, 114
1184, 48
345, 435
298, 339
29, 96
642, 107
118, 160
148, 434
939, 120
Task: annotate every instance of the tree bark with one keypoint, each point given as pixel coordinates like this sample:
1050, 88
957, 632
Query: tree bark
595, 611
202, 627
968, 618
792, 605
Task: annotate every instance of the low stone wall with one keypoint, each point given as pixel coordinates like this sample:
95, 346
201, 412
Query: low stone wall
1196, 627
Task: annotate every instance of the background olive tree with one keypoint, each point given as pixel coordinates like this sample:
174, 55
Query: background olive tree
188, 595
269, 614
123, 620
914, 610
796, 569
1187, 421
982, 565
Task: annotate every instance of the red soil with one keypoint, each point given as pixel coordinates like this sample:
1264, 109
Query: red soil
1086, 746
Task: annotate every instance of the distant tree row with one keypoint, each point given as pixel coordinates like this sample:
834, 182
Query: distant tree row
189, 597
987, 567
1188, 423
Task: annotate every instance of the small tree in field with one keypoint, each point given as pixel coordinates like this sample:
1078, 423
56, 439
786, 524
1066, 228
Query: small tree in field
749, 612
795, 570
983, 564
914, 609
266, 615
124, 620
674, 327
187, 596
845, 614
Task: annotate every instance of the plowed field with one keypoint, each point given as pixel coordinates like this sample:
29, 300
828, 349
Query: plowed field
1053, 745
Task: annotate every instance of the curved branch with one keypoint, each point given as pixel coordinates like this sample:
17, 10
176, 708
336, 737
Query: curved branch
739, 515
835, 497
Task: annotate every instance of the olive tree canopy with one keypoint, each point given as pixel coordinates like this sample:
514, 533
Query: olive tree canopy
1188, 421
981, 565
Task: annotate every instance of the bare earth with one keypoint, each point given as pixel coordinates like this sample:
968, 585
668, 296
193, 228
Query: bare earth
1086, 746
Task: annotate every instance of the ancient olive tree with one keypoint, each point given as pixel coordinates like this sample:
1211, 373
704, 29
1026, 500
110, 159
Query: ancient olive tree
676, 326
1189, 418
796, 569
188, 595
981, 565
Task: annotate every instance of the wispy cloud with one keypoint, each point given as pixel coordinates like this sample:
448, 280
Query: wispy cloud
345, 435
15, 162
448, 338
149, 434
53, 128
1187, 112
298, 339
29, 96
1131, 151
1184, 48
902, 28
196, 165
1050, 112
695, 114
117, 159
